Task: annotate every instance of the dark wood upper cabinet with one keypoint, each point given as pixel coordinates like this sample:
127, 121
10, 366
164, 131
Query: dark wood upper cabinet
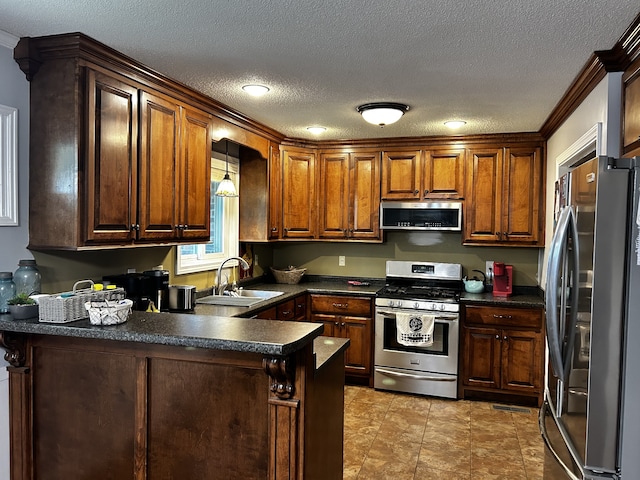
504, 198
298, 194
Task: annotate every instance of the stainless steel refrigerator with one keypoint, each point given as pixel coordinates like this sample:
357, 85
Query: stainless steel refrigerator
589, 420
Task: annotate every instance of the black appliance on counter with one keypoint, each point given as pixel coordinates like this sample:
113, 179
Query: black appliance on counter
141, 288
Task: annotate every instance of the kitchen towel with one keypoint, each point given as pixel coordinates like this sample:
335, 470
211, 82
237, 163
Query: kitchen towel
414, 329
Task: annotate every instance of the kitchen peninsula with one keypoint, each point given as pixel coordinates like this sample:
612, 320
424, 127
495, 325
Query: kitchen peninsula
174, 396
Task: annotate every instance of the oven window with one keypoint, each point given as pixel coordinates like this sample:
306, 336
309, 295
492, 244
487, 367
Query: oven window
440, 344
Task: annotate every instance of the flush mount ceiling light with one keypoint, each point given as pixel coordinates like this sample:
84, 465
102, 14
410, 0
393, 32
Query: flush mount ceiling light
317, 130
226, 188
382, 113
455, 123
255, 90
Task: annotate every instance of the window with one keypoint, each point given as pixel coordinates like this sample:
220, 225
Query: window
224, 226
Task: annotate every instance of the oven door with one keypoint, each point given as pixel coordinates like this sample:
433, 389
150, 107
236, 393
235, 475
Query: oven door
441, 357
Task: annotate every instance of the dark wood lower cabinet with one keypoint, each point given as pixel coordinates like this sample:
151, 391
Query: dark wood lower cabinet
97, 409
502, 354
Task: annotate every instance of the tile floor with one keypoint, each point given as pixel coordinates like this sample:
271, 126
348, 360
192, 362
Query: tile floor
408, 437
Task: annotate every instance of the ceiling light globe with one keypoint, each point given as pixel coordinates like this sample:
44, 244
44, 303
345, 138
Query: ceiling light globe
317, 130
455, 123
255, 90
382, 113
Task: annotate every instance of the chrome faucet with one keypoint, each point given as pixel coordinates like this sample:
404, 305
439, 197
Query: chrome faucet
242, 262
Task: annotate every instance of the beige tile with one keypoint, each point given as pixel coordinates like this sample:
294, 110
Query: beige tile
450, 459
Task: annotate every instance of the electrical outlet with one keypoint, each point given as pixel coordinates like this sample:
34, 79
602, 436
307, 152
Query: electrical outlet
489, 271
341, 261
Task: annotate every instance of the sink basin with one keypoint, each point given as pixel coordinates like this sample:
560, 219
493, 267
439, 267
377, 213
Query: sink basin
245, 298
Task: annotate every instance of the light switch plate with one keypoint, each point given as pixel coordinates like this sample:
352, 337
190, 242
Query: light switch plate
341, 261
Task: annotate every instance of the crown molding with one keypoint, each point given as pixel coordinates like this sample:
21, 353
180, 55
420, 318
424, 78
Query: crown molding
8, 40
601, 62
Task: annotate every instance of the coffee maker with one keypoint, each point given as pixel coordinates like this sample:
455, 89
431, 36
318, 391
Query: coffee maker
502, 279
143, 288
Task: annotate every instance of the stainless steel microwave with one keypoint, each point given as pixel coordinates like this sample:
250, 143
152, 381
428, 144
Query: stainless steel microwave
438, 216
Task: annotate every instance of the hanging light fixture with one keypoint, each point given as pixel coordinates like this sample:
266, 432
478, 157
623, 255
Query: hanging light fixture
382, 113
226, 188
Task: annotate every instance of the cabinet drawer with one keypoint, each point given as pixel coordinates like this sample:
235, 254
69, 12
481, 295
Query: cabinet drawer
341, 305
286, 310
504, 316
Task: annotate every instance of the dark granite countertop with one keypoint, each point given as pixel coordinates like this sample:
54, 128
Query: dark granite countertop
528, 298
326, 348
269, 337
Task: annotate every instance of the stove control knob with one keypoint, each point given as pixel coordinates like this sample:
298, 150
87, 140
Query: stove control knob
442, 307
433, 306
393, 304
416, 305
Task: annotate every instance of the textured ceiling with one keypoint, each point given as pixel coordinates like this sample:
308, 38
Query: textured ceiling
501, 65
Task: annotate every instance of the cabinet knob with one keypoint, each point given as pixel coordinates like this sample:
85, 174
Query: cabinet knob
185, 227
505, 338
337, 324
416, 192
134, 227
274, 229
506, 235
497, 337
342, 324
499, 234
426, 192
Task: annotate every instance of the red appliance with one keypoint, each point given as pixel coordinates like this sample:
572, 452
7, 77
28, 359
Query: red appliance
502, 279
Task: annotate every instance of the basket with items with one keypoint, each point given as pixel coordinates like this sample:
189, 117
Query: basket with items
70, 306
105, 312
290, 275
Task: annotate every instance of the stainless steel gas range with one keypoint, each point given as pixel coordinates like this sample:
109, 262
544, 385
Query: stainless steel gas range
419, 289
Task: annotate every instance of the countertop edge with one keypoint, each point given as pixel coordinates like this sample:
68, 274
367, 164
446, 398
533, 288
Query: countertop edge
326, 348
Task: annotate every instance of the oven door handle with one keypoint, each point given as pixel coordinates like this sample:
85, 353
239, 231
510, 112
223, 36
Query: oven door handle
418, 377
391, 315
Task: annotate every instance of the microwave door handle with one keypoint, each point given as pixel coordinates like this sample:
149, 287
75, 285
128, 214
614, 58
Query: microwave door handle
551, 293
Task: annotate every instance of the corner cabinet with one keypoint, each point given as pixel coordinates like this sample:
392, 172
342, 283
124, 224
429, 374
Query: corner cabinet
349, 196
112, 161
348, 317
502, 353
505, 188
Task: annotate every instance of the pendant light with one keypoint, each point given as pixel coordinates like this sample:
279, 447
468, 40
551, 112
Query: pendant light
226, 188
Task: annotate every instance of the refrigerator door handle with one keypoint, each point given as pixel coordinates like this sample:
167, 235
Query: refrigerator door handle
559, 244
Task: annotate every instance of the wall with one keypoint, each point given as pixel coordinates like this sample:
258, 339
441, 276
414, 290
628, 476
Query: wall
603, 105
14, 92
368, 260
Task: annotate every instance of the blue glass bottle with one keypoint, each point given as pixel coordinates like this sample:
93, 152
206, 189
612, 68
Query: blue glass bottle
27, 277
7, 290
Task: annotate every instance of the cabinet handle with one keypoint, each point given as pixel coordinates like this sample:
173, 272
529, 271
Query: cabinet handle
337, 324
416, 192
185, 227
286, 313
499, 234
426, 192
341, 305
342, 324
134, 227
497, 337
274, 229
506, 235
505, 338
507, 317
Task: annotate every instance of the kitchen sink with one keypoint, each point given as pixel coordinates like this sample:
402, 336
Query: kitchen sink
244, 298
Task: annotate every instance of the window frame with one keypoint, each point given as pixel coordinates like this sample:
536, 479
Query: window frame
230, 223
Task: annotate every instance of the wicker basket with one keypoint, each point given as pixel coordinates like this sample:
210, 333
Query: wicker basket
107, 312
291, 275
69, 306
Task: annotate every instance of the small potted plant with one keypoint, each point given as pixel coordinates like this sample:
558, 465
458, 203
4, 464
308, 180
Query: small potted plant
22, 306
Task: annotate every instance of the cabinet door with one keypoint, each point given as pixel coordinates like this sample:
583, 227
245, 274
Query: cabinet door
358, 356
159, 124
195, 168
481, 357
483, 208
333, 196
632, 110
298, 194
400, 175
330, 322
112, 159
364, 206
275, 193
522, 354
522, 193
443, 174
301, 307
268, 314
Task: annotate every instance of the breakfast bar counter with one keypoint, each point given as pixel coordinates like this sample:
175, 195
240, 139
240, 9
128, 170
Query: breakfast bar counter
174, 396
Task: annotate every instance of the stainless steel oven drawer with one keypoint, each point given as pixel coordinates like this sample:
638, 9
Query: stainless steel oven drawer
413, 381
